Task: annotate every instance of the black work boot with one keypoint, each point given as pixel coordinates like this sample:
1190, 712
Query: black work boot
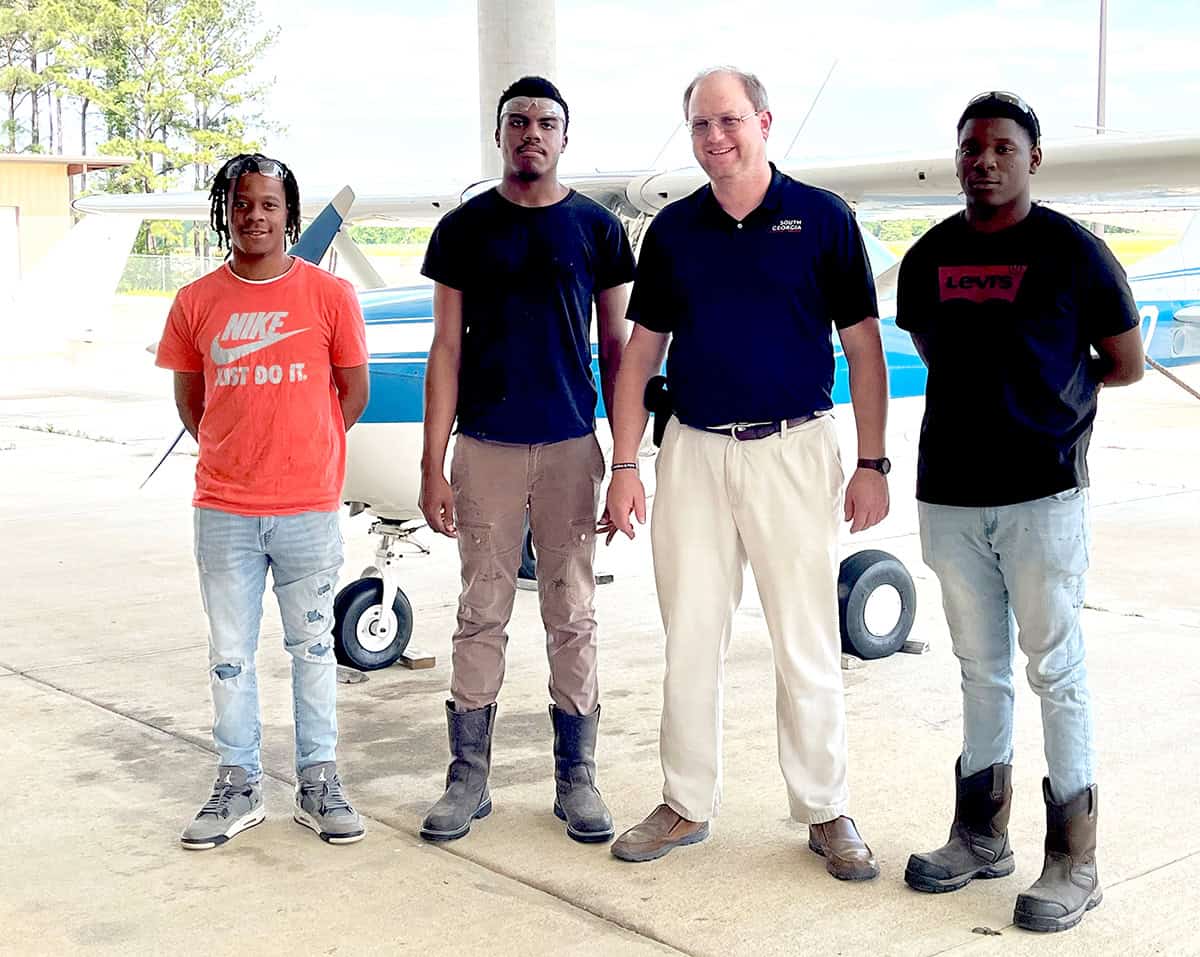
576, 799
1069, 885
466, 796
978, 845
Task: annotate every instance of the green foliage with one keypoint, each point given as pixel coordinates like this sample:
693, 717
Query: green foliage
391, 235
898, 230
170, 82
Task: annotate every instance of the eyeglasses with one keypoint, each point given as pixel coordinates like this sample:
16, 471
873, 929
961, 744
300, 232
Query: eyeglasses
252, 164
699, 126
1012, 100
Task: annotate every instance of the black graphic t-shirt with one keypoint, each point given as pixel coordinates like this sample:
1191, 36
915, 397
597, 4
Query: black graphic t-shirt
528, 275
1008, 320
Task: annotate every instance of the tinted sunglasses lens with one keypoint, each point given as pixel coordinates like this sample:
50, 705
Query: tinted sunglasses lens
1004, 97
264, 167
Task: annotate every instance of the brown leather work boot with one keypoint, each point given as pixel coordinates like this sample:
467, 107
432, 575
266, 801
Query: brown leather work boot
1069, 886
661, 832
847, 857
978, 844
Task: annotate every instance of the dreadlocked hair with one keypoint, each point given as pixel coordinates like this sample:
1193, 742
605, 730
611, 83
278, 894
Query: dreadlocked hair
219, 199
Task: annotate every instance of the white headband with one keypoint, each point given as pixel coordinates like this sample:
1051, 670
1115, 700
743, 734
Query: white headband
533, 104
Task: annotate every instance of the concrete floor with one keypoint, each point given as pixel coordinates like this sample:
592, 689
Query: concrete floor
105, 729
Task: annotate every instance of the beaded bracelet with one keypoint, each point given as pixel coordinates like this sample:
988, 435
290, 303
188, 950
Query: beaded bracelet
618, 466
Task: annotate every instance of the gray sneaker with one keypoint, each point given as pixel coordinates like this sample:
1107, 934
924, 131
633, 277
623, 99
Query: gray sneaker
233, 806
322, 806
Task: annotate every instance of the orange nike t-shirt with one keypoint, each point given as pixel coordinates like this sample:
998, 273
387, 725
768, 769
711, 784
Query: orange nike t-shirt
272, 437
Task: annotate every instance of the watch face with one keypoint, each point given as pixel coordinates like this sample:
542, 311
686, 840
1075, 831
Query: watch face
882, 466
885, 465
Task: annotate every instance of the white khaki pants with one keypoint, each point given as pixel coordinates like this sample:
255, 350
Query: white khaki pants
776, 502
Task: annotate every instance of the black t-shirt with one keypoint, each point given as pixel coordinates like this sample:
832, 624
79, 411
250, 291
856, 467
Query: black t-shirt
1008, 320
751, 305
528, 275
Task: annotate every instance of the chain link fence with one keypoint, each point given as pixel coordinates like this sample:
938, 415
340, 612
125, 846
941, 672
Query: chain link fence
164, 274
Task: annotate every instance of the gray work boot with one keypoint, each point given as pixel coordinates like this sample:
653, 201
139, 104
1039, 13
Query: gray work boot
1069, 886
233, 806
321, 805
466, 796
978, 845
577, 801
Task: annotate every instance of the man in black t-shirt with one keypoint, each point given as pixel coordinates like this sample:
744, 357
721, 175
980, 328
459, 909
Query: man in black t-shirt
747, 279
1005, 303
516, 271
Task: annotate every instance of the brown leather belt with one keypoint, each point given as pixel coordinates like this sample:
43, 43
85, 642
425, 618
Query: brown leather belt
748, 431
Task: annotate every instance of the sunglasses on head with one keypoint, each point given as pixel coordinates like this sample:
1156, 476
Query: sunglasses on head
1003, 96
254, 164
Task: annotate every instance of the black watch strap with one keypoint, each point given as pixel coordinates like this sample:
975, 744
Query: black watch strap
883, 465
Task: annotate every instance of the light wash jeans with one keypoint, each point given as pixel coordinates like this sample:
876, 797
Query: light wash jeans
1021, 564
304, 553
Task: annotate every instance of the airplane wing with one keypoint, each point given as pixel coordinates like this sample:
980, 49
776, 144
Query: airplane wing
1102, 169
411, 210
1111, 170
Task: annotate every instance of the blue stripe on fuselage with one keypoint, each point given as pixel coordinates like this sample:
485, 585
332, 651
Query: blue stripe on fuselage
1172, 343
398, 378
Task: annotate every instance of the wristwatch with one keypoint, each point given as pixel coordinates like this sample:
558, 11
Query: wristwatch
883, 466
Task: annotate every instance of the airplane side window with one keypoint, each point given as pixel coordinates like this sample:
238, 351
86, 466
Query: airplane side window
1149, 317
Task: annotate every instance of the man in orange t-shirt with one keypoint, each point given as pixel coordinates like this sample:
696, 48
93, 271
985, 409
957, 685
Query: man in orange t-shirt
270, 361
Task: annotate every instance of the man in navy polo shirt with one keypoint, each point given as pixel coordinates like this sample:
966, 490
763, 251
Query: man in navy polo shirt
516, 272
747, 278
1005, 302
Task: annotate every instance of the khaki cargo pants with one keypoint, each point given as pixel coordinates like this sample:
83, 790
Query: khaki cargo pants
493, 484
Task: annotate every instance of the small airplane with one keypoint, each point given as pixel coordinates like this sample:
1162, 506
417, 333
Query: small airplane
374, 617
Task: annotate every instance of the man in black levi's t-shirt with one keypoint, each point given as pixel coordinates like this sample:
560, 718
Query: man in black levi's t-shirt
517, 270
1006, 302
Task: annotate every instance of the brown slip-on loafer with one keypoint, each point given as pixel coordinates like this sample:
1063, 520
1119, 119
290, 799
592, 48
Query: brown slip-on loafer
847, 857
662, 831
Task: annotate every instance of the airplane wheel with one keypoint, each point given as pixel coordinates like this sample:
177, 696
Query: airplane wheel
877, 602
356, 612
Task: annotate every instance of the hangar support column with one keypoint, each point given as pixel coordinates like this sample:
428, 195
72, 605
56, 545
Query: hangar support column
516, 38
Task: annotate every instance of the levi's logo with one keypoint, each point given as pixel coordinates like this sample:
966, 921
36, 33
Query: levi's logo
980, 283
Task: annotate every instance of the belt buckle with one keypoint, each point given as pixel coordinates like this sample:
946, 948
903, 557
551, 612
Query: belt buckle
736, 430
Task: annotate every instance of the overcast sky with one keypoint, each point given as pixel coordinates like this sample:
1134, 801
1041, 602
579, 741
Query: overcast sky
383, 94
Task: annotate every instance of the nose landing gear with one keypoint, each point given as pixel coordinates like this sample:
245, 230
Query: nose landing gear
366, 636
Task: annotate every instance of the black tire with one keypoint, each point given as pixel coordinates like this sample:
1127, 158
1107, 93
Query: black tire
528, 569
860, 575
354, 601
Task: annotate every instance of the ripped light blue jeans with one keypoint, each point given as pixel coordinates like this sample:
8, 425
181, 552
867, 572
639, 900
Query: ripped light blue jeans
1017, 565
304, 553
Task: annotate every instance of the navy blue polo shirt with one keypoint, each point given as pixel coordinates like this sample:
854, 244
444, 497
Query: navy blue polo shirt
751, 306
